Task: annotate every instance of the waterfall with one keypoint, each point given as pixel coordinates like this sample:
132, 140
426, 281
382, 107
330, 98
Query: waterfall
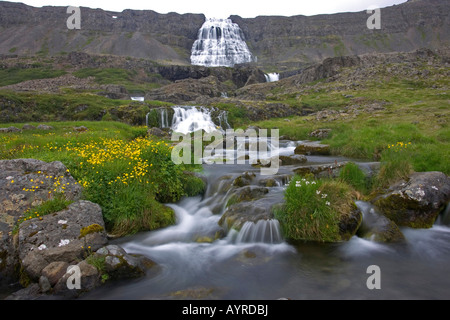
272, 77
263, 231
164, 117
188, 119
220, 42
191, 119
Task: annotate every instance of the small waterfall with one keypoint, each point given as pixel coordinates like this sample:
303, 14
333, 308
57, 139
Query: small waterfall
164, 118
190, 119
272, 77
263, 231
220, 42
187, 119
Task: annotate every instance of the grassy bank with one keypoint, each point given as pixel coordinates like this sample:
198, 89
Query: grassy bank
128, 174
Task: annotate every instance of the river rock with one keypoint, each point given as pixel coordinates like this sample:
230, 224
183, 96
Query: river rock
61, 237
312, 148
321, 170
376, 227
119, 264
416, 203
238, 214
349, 224
292, 160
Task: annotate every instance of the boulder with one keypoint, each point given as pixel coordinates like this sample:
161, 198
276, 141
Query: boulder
416, 203
377, 227
25, 183
349, 224
312, 148
292, 160
65, 236
118, 264
320, 133
45, 127
9, 130
28, 127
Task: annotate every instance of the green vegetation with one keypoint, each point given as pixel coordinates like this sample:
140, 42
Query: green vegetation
16, 75
313, 209
128, 78
128, 174
355, 177
56, 204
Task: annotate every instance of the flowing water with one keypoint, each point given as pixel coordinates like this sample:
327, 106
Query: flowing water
256, 263
220, 42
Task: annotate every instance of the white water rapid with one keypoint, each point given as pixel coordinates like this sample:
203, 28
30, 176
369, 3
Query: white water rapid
220, 42
272, 77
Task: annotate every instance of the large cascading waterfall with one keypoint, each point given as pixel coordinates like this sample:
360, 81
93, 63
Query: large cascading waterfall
220, 42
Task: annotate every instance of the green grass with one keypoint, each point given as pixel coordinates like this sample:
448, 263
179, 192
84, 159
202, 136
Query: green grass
313, 209
413, 113
127, 78
16, 75
126, 173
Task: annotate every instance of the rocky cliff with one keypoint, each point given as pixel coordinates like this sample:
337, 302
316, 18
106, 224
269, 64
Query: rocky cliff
280, 43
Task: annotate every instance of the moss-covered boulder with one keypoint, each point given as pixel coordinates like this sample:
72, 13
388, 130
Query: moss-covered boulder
416, 203
312, 148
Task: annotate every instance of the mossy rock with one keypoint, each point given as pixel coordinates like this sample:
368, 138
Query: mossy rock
93, 228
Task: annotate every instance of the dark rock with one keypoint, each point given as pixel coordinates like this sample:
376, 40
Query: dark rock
349, 224
119, 264
90, 279
377, 227
312, 148
157, 132
417, 202
293, 160
32, 292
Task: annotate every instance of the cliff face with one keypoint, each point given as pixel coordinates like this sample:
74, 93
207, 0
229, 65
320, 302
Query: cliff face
290, 42
142, 34
280, 43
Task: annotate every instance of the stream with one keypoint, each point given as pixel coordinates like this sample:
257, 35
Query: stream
258, 264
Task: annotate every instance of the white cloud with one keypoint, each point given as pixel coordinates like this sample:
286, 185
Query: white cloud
223, 9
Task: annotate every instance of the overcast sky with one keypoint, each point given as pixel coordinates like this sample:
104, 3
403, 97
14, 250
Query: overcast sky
225, 8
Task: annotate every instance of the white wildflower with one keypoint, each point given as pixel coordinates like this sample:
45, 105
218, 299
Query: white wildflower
324, 196
62, 222
63, 243
328, 203
318, 192
42, 247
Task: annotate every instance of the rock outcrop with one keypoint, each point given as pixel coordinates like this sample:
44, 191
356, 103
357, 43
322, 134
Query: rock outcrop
416, 203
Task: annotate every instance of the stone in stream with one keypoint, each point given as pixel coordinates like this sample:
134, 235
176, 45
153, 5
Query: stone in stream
416, 203
312, 148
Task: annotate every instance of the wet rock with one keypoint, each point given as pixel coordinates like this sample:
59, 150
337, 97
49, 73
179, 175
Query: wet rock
349, 224
118, 264
416, 203
32, 292
292, 160
312, 148
321, 170
377, 227
90, 279
248, 193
